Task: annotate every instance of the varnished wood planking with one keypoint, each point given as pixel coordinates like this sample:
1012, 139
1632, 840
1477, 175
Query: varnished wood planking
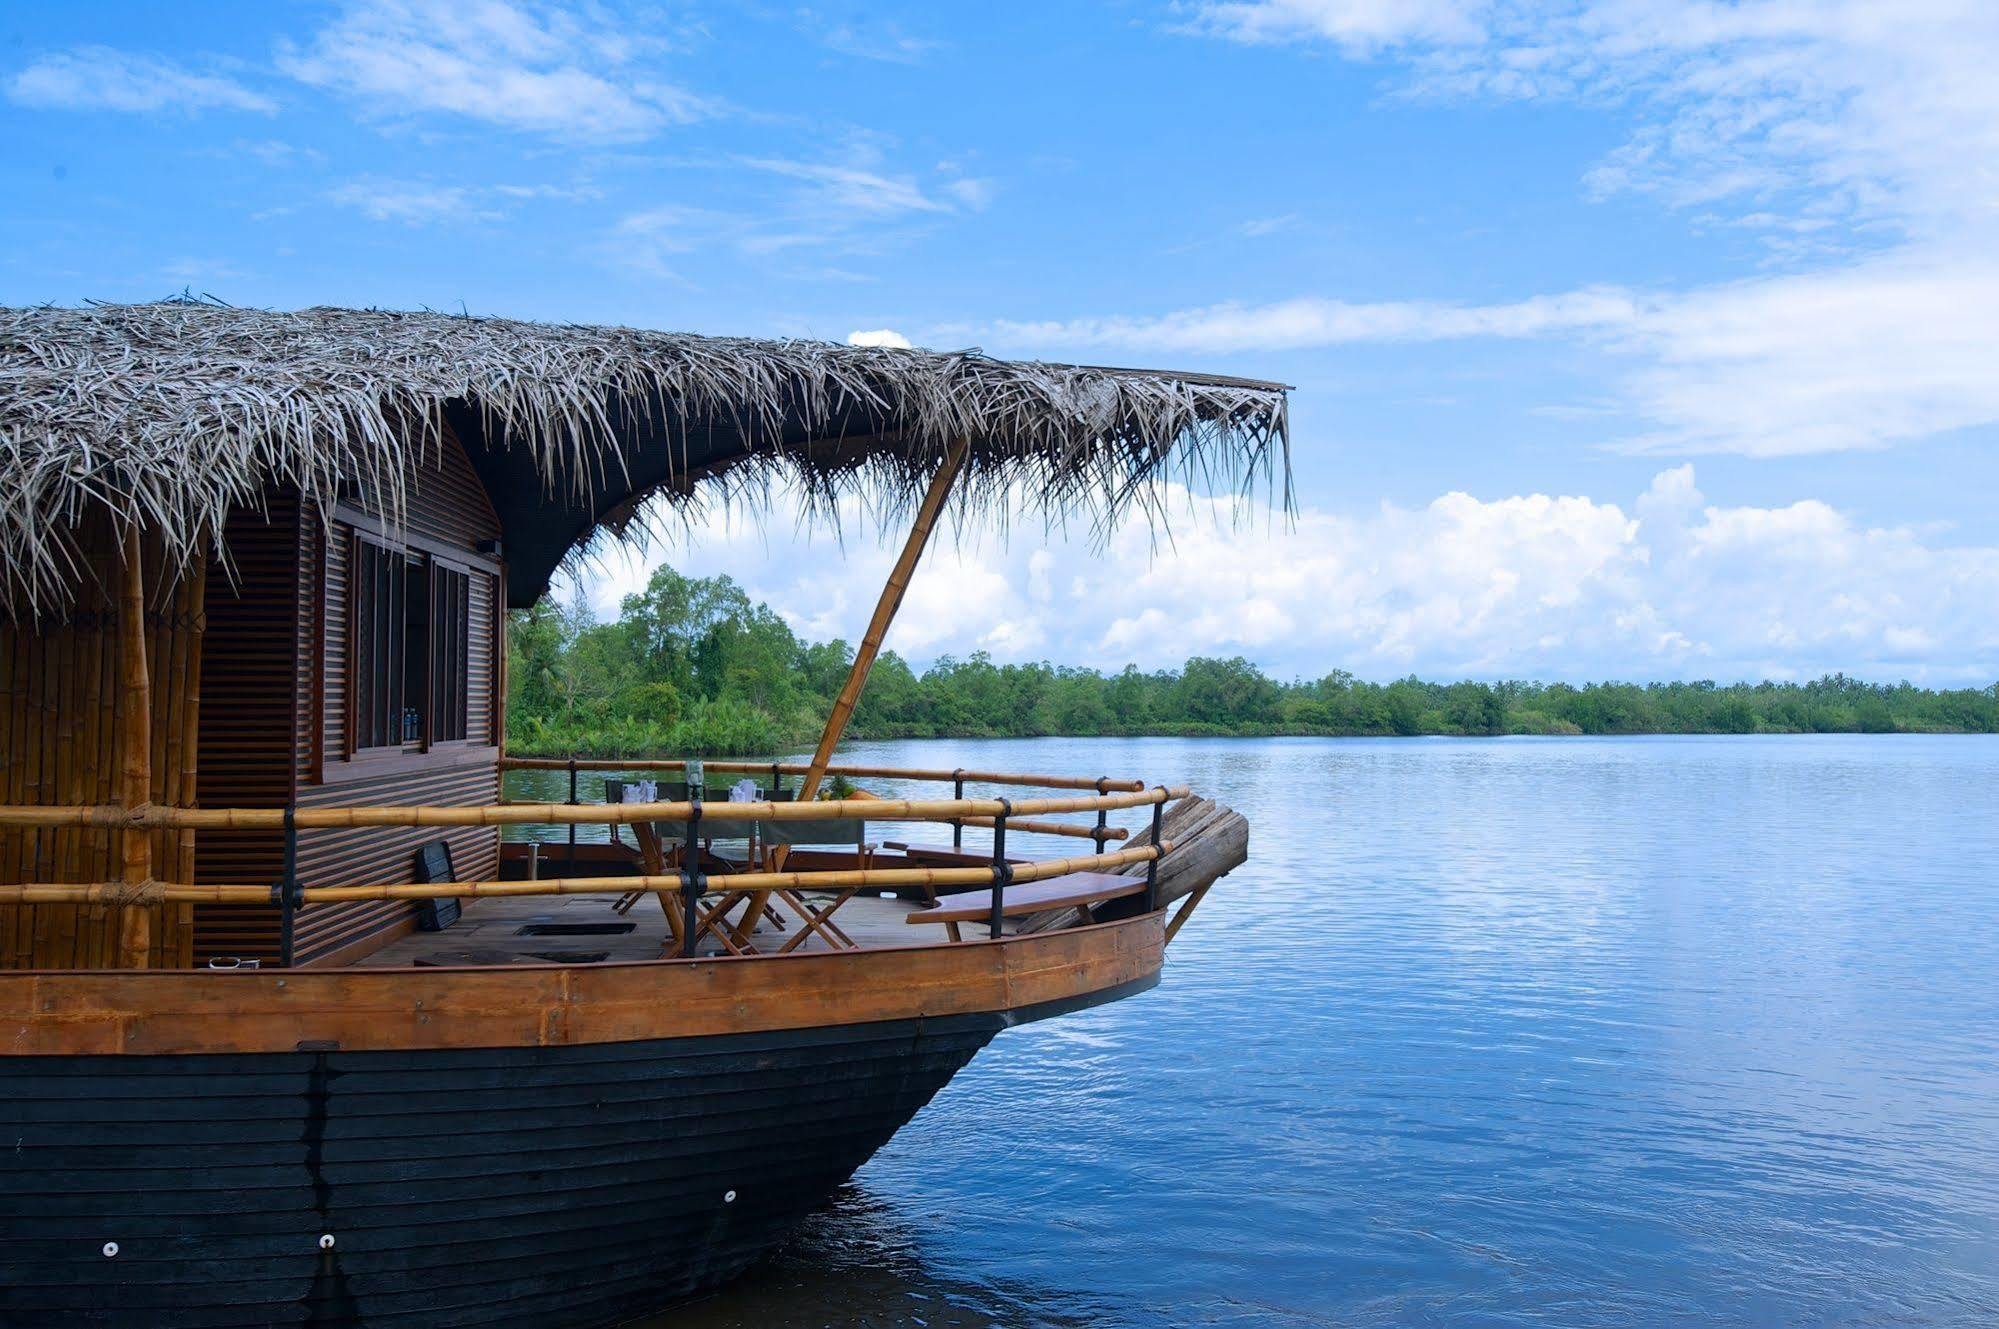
125, 1012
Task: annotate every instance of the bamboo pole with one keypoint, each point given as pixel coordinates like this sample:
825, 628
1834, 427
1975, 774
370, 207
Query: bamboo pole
836, 768
1053, 828
135, 757
668, 883
891, 600
193, 634
562, 814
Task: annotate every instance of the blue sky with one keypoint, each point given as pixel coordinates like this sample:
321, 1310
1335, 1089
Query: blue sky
1630, 339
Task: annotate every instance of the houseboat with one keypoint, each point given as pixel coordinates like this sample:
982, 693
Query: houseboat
290, 1032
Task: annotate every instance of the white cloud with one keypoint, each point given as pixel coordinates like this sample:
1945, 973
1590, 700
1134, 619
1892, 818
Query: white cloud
885, 42
1309, 321
412, 202
853, 188
649, 242
202, 270
852, 205
1866, 355
272, 152
423, 202
972, 192
1359, 26
1533, 585
98, 78
544, 70
1875, 353
879, 337
1861, 138
1258, 227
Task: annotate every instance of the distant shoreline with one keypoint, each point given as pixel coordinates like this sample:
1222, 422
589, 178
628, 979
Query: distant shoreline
695, 665
803, 742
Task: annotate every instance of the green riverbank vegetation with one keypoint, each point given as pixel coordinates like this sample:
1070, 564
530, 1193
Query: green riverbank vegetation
694, 665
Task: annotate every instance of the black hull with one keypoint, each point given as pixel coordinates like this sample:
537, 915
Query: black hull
562, 1186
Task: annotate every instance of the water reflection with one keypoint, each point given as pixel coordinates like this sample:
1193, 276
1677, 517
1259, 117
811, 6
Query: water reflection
859, 1262
1578, 1032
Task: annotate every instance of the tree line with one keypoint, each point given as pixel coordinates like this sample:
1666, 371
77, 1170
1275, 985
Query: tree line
694, 665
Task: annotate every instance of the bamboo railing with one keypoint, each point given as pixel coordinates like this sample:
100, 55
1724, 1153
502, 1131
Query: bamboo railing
1102, 784
153, 817
670, 883
137, 889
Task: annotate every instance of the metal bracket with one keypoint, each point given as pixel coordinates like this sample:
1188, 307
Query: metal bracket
569, 863
286, 893
691, 880
1002, 870
1152, 864
958, 823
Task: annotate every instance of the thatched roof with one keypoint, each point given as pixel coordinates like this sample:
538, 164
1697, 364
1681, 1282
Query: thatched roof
171, 414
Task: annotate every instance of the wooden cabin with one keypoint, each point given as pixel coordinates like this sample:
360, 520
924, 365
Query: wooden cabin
323, 659
316, 522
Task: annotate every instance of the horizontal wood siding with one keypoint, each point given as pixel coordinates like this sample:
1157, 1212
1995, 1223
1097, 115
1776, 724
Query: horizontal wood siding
250, 717
363, 857
337, 551
482, 683
311, 688
442, 499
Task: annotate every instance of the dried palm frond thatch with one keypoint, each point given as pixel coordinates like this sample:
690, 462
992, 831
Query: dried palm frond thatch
170, 414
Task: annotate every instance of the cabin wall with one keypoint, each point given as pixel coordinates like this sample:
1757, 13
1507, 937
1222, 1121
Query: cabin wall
250, 684
289, 685
62, 711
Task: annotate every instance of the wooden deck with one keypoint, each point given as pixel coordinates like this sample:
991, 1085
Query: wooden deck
564, 929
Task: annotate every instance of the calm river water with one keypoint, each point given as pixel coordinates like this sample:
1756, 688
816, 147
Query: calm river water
1540, 1031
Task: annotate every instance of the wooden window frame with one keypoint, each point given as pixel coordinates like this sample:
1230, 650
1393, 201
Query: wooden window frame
354, 747
357, 527
433, 676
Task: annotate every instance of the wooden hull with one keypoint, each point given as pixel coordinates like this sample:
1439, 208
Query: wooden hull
563, 1181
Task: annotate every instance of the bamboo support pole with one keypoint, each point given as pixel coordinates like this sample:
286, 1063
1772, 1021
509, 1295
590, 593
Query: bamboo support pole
1053, 828
562, 814
135, 757
836, 768
891, 600
667, 883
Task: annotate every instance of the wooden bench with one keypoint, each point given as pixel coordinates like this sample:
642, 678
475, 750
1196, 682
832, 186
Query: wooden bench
1072, 890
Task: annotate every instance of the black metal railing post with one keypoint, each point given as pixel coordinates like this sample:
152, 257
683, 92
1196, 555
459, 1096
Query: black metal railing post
1152, 864
1103, 814
1002, 870
958, 823
569, 867
287, 889
690, 879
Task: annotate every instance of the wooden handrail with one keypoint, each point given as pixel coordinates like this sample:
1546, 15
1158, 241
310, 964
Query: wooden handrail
1058, 828
829, 879
560, 814
1107, 785
1055, 828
